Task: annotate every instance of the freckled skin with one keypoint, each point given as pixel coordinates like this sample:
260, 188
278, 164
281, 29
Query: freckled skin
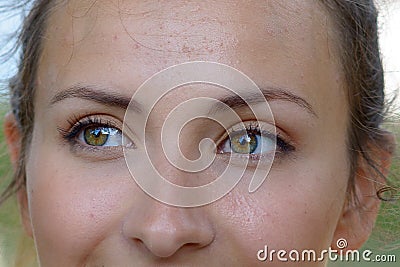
91, 213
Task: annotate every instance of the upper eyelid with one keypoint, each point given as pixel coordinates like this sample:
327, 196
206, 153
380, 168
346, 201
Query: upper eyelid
98, 119
246, 124
94, 120
76, 124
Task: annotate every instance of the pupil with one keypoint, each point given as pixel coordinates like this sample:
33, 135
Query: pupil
96, 132
244, 139
244, 144
252, 142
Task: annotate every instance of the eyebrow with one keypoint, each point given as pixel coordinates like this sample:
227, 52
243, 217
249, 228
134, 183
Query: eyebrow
107, 97
101, 95
269, 93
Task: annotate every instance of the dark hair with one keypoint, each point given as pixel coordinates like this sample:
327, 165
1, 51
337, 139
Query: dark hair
356, 26
22, 85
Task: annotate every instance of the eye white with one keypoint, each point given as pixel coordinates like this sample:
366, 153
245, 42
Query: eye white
114, 137
265, 145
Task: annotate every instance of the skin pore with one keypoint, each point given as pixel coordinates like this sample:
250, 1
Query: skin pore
82, 207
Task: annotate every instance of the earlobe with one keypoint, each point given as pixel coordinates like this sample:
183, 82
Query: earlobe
358, 217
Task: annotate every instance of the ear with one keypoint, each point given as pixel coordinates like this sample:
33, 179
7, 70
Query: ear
13, 138
358, 218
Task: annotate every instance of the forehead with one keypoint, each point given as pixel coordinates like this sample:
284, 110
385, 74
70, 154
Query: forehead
286, 43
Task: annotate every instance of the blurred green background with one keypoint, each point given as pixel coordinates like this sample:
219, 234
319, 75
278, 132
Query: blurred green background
386, 235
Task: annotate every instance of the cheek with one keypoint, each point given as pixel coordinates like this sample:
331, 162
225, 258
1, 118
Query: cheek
73, 204
297, 207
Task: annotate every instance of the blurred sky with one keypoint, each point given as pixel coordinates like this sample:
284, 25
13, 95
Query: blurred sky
9, 23
389, 29
390, 45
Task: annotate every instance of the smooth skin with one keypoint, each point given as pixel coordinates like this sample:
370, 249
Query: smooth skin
83, 208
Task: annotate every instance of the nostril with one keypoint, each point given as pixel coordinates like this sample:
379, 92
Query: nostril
163, 240
163, 231
165, 244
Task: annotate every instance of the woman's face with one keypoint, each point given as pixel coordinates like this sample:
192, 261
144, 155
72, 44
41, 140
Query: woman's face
84, 206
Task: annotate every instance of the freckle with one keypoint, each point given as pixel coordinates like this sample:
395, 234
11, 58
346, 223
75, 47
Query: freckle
115, 37
186, 49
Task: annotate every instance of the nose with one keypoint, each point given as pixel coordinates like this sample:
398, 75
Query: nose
165, 230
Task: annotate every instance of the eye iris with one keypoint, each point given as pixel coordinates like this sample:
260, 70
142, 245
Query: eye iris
96, 136
244, 143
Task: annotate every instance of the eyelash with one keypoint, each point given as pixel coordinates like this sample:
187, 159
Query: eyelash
283, 146
77, 125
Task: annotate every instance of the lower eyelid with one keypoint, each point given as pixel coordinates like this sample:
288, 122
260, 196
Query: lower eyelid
96, 153
252, 160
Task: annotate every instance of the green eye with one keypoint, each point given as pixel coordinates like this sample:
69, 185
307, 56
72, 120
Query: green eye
94, 132
101, 136
96, 136
244, 143
251, 141
254, 140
